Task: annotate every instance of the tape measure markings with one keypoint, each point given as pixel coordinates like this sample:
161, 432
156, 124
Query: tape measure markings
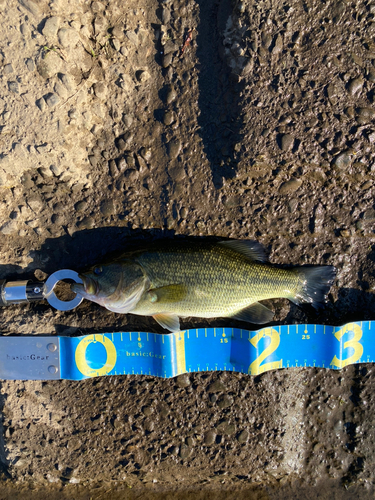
206, 349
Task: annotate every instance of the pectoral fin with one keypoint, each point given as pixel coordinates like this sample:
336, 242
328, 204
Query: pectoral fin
170, 322
167, 294
256, 313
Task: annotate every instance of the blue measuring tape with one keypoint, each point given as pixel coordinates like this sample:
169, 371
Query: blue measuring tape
196, 350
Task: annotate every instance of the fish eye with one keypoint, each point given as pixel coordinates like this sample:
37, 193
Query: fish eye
98, 270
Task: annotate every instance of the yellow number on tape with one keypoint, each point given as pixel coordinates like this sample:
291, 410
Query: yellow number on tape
354, 343
256, 368
80, 356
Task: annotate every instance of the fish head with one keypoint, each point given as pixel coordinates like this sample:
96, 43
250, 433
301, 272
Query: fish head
116, 286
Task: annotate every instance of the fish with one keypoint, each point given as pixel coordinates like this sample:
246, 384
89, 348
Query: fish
177, 279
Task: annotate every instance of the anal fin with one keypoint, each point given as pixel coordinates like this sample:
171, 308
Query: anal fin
256, 313
170, 322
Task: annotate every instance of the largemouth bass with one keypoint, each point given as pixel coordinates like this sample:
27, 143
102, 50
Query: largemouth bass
174, 279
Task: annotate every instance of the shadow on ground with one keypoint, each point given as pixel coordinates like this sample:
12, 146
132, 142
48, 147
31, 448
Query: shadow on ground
219, 92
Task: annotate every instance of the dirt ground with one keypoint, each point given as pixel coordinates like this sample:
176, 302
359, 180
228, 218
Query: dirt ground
110, 134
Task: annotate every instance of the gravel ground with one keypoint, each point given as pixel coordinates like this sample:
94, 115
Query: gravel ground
262, 128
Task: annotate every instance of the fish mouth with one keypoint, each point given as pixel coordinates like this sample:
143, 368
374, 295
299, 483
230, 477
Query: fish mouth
88, 287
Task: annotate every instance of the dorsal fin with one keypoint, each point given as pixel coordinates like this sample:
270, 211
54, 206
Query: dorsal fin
251, 249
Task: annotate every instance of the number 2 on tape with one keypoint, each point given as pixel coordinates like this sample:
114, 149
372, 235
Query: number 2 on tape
256, 368
353, 343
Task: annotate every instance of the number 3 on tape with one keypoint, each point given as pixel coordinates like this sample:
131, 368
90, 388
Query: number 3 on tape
353, 343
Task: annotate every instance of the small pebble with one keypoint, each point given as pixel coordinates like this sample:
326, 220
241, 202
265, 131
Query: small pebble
60, 90
100, 90
116, 44
345, 233
278, 47
146, 153
86, 223
51, 99
338, 11
8, 68
80, 206
243, 436
100, 25
113, 170
118, 32
183, 380
18, 149
174, 148
127, 120
56, 170
171, 95
41, 103
169, 47
68, 82
371, 75
31, 6
13, 87
165, 15
225, 401
364, 115
167, 60
50, 65
131, 175
30, 64
210, 438
51, 26
366, 185
94, 161
107, 208
185, 451
226, 428
143, 76
147, 410
350, 112
27, 181
129, 160
68, 37
216, 386
35, 202
266, 40
168, 118
318, 219
184, 212
287, 142
342, 160
9, 227
355, 86
369, 215
290, 186
133, 37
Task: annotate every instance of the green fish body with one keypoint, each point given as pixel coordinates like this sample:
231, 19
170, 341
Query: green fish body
207, 280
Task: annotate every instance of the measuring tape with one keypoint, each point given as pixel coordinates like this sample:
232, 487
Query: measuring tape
196, 350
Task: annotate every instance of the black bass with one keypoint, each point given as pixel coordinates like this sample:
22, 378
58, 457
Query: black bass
174, 279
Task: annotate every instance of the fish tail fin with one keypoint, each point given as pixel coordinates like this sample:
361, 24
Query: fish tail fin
315, 283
